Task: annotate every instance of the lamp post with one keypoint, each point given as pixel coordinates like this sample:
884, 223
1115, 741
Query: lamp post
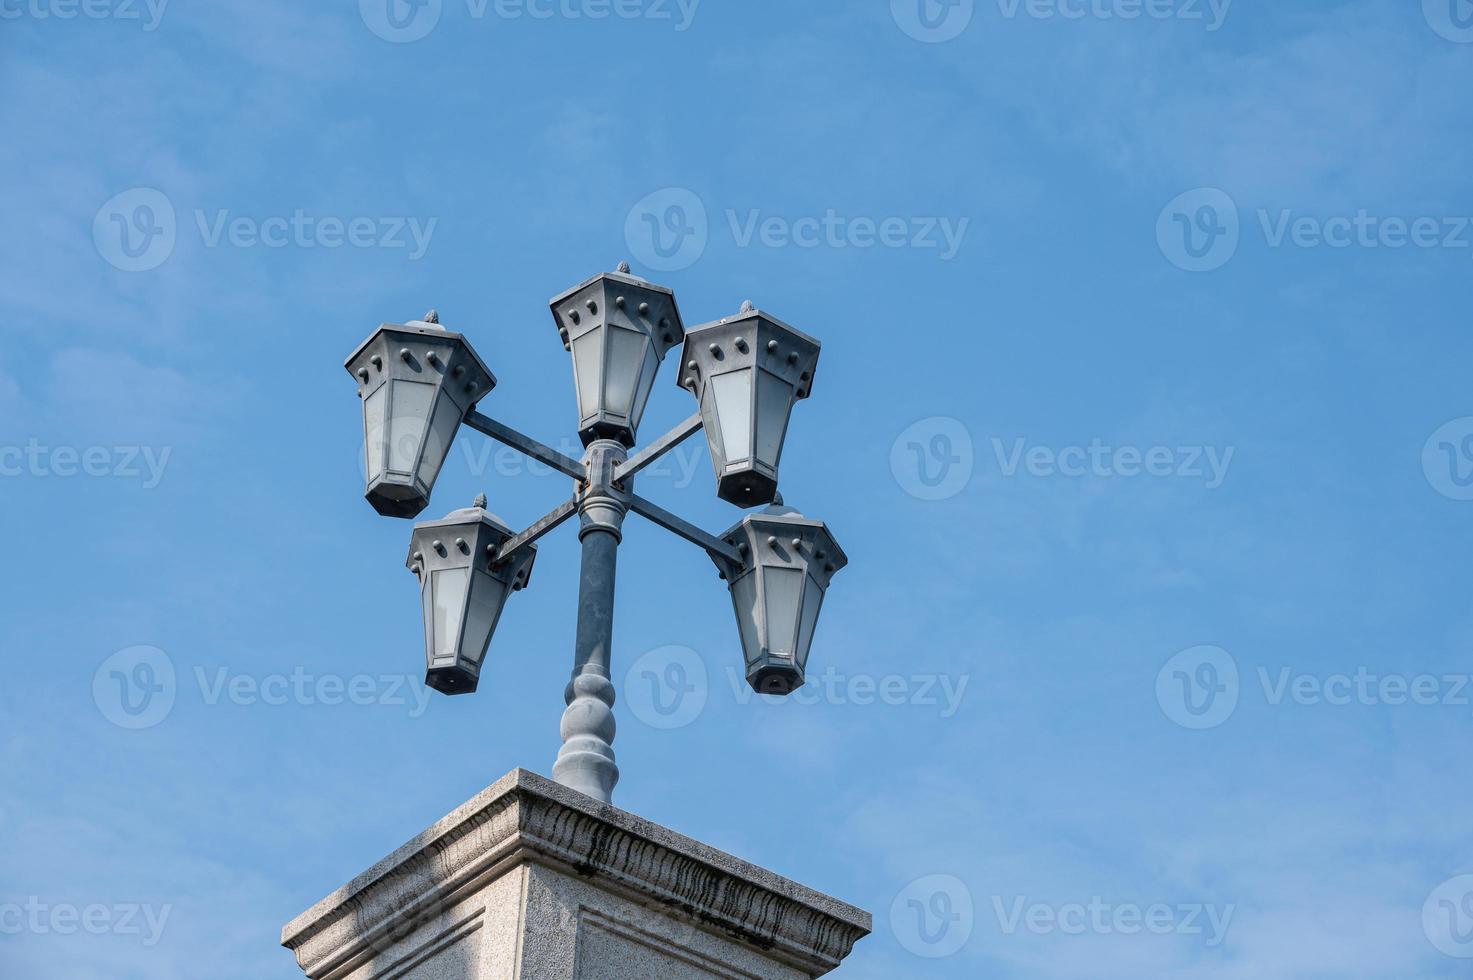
419, 384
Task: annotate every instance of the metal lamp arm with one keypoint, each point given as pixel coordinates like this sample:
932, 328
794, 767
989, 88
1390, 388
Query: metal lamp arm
658, 448
526, 445
718, 549
560, 513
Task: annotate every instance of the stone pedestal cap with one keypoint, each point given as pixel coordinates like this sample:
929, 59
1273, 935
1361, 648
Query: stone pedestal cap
524, 817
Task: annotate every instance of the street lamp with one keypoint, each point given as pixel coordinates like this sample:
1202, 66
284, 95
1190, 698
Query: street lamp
618, 328
464, 580
746, 371
788, 562
417, 381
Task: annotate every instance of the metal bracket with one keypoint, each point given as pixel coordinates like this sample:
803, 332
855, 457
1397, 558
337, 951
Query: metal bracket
561, 513
526, 445
712, 545
658, 448
723, 553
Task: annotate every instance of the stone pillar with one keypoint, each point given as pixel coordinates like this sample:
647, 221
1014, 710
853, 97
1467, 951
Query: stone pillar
531, 880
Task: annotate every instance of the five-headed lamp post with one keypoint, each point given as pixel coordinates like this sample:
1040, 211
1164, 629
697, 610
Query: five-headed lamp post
420, 383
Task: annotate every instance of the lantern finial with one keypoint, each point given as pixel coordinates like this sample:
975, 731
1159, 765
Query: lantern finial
480, 501
432, 317
622, 267
747, 306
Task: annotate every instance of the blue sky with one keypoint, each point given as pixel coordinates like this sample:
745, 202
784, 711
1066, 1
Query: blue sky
1143, 415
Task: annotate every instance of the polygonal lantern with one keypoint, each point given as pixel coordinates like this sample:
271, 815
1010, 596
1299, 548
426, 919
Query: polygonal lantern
788, 561
418, 381
619, 328
747, 371
463, 588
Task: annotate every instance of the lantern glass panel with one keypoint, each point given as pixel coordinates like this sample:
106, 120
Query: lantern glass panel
442, 433
646, 378
373, 431
744, 597
587, 353
625, 359
481, 618
449, 586
812, 601
410, 404
733, 394
774, 406
784, 587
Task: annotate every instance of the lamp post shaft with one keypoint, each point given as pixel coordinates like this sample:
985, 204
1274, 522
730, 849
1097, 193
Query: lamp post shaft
586, 760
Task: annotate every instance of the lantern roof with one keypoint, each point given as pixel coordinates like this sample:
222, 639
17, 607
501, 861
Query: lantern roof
779, 515
428, 328
622, 276
776, 346
476, 513
751, 312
